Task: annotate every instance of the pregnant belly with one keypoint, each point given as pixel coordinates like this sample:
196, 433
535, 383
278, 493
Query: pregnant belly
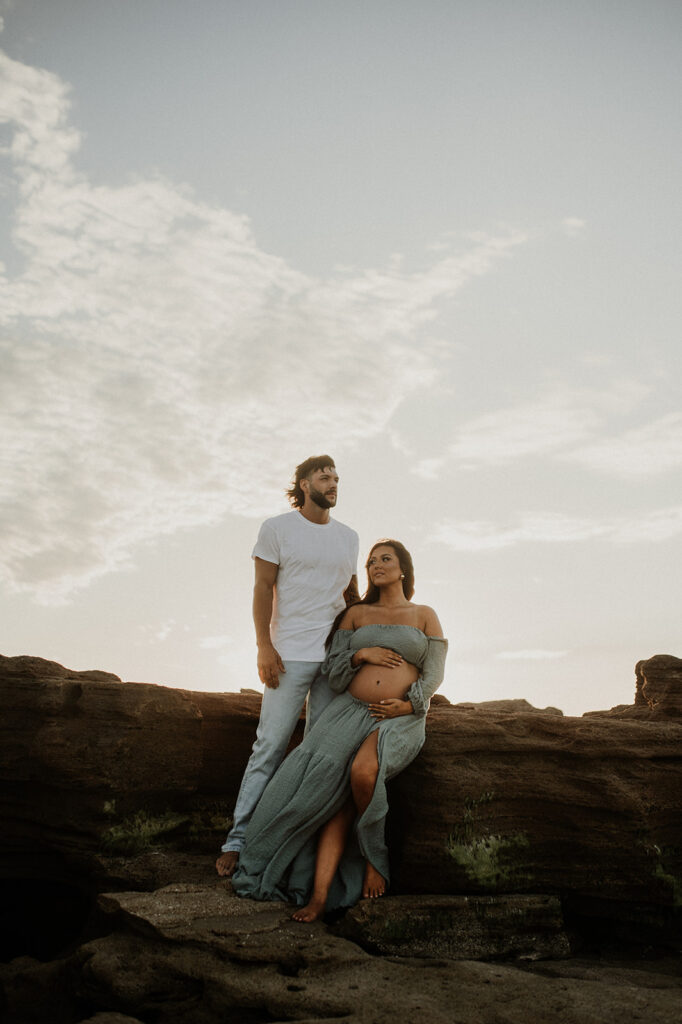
375, 682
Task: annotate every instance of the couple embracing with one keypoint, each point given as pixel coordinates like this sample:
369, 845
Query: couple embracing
310, 828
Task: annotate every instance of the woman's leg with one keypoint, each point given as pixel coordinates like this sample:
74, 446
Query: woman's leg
330, 847
363, 776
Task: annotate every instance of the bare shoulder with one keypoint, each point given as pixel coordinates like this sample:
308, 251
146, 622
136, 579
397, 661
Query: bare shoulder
351, 617
430, 623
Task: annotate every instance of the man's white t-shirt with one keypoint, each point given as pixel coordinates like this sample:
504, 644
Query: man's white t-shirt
316, 562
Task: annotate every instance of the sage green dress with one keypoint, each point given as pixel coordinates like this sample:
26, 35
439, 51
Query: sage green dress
313, 782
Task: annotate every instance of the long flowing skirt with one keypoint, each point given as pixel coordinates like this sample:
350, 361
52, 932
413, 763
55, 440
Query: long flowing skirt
310, 786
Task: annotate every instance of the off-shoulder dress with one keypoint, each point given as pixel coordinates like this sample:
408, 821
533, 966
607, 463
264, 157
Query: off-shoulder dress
313, 782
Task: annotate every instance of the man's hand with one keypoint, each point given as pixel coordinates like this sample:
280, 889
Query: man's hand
269, 666
226, 864
351, 594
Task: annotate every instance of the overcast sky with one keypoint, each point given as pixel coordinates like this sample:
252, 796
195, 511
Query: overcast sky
438, 240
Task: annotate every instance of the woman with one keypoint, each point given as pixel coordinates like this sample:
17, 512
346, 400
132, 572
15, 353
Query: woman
317, 834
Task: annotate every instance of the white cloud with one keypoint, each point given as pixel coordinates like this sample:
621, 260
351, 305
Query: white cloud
152, 354
573, 226
549, 425
165, 630
480, 535
216, 643
531, 655
641, 452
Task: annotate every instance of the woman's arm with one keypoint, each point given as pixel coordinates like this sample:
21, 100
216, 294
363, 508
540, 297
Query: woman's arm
338, 665
433, 666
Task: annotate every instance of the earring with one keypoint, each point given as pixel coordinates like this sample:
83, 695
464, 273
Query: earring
402, 575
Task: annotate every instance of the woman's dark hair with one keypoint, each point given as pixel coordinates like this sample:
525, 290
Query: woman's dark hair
295, 492
372, 594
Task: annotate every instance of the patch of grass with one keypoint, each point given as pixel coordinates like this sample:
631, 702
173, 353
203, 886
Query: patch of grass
465, 831
674, 884
489, 860
208, 820
139, 832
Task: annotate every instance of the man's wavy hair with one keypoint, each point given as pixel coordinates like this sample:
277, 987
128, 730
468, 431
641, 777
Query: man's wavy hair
295, 492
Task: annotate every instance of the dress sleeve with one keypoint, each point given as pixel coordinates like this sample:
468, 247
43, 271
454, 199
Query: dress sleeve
431, 676
337, 665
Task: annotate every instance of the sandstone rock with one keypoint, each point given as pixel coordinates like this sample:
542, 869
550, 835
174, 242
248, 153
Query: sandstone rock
189, 955
659, 685
111, 1018
586, 808
460, 927
498, 802
502, 800
510, 706
27, 667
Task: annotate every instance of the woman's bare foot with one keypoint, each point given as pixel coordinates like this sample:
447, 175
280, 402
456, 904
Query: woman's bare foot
226, 864
374, 884
310, 912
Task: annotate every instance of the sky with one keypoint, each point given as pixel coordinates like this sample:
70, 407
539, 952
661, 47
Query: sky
436, 240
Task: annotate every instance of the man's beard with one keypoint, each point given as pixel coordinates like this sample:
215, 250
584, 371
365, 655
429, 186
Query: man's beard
320, 500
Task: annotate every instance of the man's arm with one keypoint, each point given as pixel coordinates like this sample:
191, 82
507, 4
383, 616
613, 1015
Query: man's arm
269, 662
351, 593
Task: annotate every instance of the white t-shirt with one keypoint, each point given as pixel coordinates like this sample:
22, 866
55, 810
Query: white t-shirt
316, 562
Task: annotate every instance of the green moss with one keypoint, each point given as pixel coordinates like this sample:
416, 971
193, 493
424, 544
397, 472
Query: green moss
465, 831
209, 819
140, 832
490, 861
674, 884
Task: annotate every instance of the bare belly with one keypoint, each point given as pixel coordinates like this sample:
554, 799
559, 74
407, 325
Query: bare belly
376, 682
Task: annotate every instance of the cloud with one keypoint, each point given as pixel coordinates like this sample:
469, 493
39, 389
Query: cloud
641, 452
531, 655
216, 643
153, 354
550, 425
573, 226
480, 535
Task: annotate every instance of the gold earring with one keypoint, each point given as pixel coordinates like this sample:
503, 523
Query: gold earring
402, 575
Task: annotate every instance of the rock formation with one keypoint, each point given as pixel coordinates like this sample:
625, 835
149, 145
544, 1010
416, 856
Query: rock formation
515, 833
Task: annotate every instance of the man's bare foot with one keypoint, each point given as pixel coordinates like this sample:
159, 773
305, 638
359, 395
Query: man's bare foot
226, 864
310, 912
374, 884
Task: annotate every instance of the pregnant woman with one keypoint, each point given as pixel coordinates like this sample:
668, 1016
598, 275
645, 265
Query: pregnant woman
317, 834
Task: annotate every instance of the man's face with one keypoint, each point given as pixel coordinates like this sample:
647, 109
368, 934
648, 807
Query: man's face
322, 486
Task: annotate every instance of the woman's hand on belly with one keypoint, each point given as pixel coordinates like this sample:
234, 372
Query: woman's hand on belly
393, 707
383, 656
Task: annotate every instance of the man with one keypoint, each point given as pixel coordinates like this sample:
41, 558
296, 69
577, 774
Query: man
305, 565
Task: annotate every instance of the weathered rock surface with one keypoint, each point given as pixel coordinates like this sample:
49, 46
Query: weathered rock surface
534, 803
659, 685
127, 786
460, 927
511, 706
193, 954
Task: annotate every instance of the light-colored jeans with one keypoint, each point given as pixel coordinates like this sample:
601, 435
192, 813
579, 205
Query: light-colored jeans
279, 714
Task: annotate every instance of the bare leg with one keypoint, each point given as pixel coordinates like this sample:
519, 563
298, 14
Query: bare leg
330, 847
226, 864
363, 777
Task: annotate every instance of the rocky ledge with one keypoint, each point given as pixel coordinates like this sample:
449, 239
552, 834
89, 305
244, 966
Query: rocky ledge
537, 862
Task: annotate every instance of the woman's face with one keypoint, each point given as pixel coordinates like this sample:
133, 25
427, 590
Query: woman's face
383, 566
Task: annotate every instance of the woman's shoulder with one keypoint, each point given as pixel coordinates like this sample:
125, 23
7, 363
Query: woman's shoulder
429, 622
352, 617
